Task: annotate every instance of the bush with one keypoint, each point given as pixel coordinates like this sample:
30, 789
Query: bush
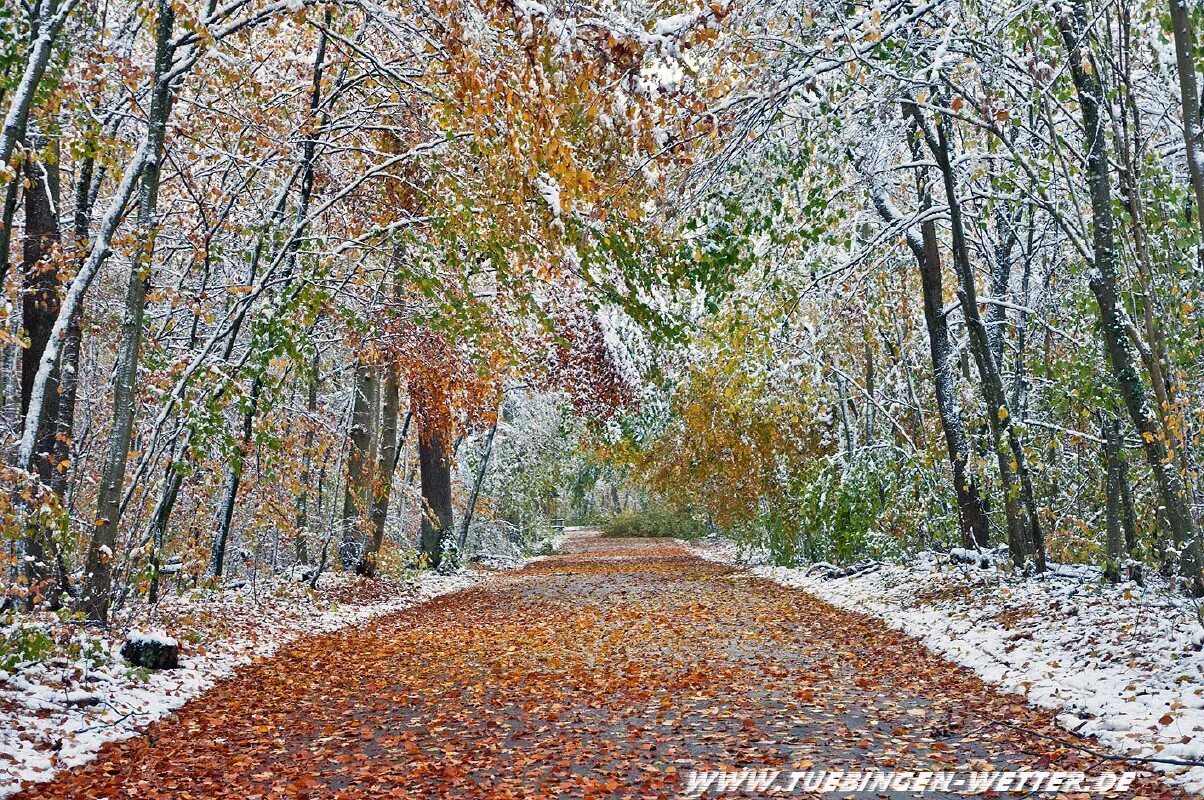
657, 523
23, 640
24, 643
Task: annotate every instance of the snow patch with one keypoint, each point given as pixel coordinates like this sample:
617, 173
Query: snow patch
55, 715
155, 638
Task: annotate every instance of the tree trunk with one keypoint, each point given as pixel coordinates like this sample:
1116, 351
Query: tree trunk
311, 411
357, 491
1104, 285
1001, 277
234, 479
99, 571
972, 516
390, 444
1193, 123
39, 309
38, 58
1024, 532
974, 527
1113, 502
40, 293
1129, 519
870, 380
7, 216
434, 468
217, 556
476, 488
172, 482
1153, 352
66, 372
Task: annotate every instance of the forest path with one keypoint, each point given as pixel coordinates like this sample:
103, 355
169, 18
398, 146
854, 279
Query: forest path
610, 670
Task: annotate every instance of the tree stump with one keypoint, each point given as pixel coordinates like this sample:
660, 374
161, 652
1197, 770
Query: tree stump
151, 651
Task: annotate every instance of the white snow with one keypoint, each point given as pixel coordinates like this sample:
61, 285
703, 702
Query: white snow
530, 8
1122, 663
676, 24
48, 721
156, 637
549, 190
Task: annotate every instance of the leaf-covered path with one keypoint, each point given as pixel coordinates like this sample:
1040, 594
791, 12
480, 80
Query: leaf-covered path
608, 671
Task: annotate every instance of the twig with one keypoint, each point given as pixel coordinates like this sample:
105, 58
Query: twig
1097, 754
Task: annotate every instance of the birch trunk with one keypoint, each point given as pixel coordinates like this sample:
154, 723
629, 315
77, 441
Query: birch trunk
390, 444
99, 570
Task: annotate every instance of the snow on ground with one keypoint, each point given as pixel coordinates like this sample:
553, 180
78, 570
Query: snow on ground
56, 713
554, 543
1122, 663
497, 547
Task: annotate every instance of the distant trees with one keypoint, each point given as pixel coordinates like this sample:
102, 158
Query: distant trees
868, 149
921, 275
312, 209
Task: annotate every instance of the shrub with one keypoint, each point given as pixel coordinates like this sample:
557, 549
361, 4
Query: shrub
24, 643
24, 640
656, 522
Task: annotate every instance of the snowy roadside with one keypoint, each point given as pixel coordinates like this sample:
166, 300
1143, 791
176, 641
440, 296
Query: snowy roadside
1121, 663
56, 713
556, 541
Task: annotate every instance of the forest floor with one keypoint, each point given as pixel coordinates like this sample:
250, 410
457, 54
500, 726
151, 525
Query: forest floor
611, 670
68, 690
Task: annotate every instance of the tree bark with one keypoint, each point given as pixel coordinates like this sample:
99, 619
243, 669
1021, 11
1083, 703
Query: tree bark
1153, 352
973, 525
311, 411
172, 482
40, 274
1104, 285
476, 488
1001, 277
66, 372
1024, 531
1193, 123
217, 556
39, 309
234, 478
434, 468
1113, 501
357, 491
38, 58
99, 571
7, 215
390, 444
